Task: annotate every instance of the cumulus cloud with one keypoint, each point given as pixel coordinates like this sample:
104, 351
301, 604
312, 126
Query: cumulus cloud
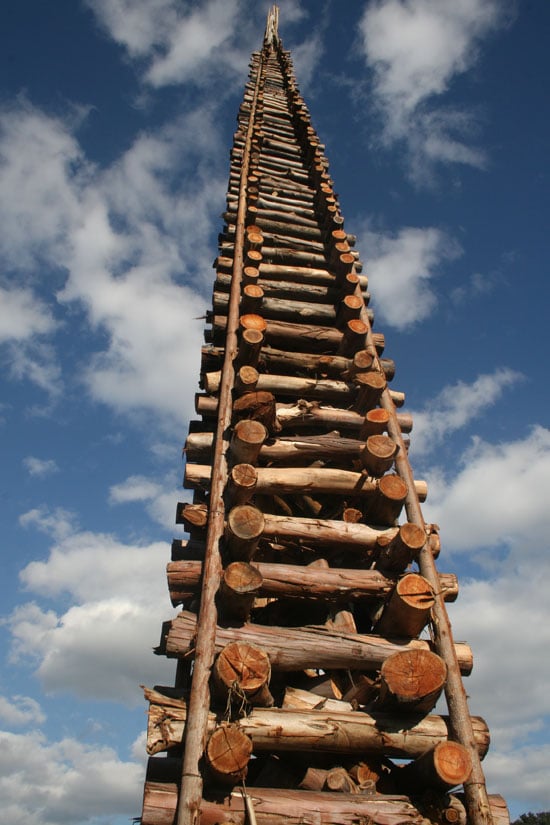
511, 480
117, 599
160, 499
18, 711
415, 50
64, 781
40, 467
401, 267
125, 239
456, 406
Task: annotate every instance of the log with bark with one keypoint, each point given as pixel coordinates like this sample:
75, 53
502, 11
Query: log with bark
316, 731
300, 648
290, 582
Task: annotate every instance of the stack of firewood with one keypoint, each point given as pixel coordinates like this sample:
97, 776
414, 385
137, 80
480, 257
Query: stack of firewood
313, 641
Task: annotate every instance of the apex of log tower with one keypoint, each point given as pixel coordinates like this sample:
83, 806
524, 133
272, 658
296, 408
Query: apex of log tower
271, 36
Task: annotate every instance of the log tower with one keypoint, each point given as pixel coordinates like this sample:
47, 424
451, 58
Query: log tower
313, 641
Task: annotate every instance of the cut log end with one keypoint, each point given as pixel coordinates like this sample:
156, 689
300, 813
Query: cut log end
228, 752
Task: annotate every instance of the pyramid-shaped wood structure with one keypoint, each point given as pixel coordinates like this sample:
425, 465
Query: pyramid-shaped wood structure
313, 641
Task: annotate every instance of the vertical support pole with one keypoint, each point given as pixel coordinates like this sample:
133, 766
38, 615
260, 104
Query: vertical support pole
190, 794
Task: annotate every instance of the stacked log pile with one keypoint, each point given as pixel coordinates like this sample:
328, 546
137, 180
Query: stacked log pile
313, 641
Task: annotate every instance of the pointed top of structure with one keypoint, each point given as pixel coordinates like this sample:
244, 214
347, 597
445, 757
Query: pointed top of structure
271, 36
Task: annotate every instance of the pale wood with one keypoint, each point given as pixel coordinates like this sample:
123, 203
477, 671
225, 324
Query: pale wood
239, 586
318, 731
246, 441
387, 493
245, 525
299, 648
294, 582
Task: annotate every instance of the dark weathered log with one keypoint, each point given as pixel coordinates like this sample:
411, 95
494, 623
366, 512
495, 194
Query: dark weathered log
445, 766
408, 609
294, 582
228, 753
411, 681
256, 406
277, 806
322, 731
242, 672
300, 648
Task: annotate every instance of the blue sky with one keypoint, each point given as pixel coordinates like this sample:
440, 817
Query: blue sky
116, 118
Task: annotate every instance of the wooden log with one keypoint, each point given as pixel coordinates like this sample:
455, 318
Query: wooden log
278, 806
299, 699
239, 586
288, 385
246, 441
242, 484
255, 406
246, 380
338, 779
332, 584
387, 493
370, 386
300, 648
398, 551
408, 609
443, 767
228, 753
245, 525
378, 454
317, 731
411, 681
192, 516
250, 347
242, 672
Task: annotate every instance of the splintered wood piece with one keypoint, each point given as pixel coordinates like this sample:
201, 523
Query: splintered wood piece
397, 552
245, 524
445, 766
240, 584
412, 680
245, 669
378, 454
248, 437
408, 609
228, 753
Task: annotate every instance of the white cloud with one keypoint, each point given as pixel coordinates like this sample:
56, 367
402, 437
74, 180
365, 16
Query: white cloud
117, 600
40, 466
401, 267
134, 488
511, 482
20, 710
58, 523
126, 239
455, 406
65, 781
23, 315
415, 50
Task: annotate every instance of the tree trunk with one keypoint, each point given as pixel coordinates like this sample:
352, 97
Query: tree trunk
300, 648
